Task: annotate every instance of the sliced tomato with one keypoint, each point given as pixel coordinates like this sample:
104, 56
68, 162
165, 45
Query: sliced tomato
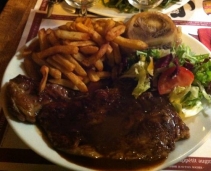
166, 82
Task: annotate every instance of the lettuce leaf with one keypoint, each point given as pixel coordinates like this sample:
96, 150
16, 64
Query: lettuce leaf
139, 72
186, 100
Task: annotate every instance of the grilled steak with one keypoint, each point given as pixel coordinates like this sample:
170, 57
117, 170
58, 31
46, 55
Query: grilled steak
111, 123
106, 123
24, 100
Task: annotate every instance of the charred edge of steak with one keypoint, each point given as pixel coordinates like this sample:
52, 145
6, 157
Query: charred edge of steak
110, 123
24, 100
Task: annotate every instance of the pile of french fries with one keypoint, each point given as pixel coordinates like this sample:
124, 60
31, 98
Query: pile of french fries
76, 53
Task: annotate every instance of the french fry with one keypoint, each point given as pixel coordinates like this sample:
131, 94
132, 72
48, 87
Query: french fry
110, 23
91, 60
93, 76
63, 62
80, 19
88, 22
114, 32
79, 57
56, 65
100, 29
103, 74
71, 35
63, 27
38, 60
95, 36
42, 36
76, 52
55, 73
79, 43
130, 43
76, 81
116, 52
78, 68
67, 49
110, 58
88, 49
99, 65
33, 47
70, 26
109, 49
52, 39
44, 70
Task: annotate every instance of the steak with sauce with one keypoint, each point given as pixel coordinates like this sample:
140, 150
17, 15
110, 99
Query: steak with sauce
106, 123
111, 123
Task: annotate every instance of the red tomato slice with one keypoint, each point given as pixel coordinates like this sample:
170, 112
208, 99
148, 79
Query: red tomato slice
166, 82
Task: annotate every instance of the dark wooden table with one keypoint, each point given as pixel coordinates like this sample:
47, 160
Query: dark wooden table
12, 22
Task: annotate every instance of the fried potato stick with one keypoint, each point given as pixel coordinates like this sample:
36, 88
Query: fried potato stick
76, 81
92, 75
99, 65
103, 74
78, 68
114, 32
63, 62
95, 36
116, 53
79, 43
33, 47
51, 37
101, 52
63, 49
44, 70
130, 43
56, 65
88, 49
110, 23
55, 73
71, 35
42, 36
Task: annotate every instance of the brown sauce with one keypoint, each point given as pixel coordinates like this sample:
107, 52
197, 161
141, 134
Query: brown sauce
109, 164
104, 164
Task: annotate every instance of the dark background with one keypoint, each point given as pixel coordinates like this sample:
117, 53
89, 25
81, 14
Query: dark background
2, 4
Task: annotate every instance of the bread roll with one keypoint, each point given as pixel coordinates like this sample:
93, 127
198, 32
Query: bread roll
154, 28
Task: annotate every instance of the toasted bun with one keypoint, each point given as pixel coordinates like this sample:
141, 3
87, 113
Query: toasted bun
154, 28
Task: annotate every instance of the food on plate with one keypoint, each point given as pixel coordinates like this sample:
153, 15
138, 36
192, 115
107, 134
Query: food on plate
111, 104
25, 100
108, 122
156, 29
77, 51
121, 5
126, 7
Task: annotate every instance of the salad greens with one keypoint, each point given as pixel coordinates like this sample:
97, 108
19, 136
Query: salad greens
139, 71
124, 5
121, 5
150, 63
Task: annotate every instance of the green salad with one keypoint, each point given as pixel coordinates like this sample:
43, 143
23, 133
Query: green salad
177, 73
124, 5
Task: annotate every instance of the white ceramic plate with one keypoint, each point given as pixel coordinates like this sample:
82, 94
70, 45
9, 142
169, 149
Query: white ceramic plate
200, 125
100, 9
